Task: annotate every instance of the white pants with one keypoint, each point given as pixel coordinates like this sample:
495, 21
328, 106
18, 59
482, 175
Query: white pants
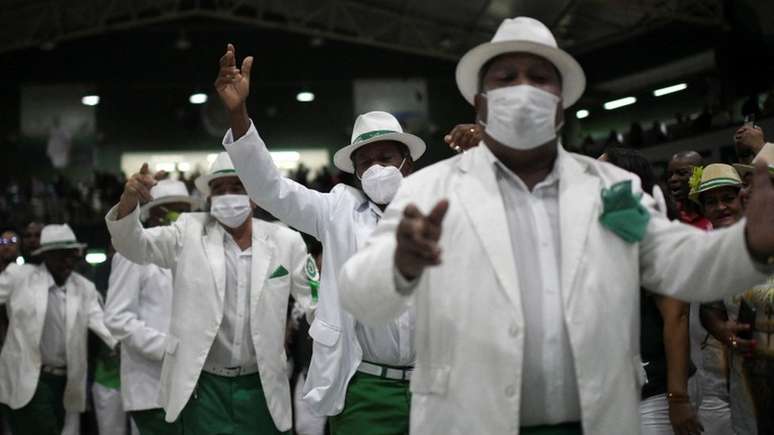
654, 416
72, 424
306, 423
111, 418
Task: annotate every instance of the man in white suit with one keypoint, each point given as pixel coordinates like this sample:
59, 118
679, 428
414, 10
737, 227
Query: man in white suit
224, 368
43, 362
529, 321
358, 374
138, 311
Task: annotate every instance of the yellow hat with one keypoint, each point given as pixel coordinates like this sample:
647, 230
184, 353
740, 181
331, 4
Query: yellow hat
766, 154
711, 177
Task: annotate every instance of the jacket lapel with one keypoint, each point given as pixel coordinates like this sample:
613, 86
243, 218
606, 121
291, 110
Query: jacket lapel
214, 248
480, 198
263, 253
578, 206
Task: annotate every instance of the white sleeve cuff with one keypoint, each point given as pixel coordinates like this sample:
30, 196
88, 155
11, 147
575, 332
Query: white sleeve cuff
402, 284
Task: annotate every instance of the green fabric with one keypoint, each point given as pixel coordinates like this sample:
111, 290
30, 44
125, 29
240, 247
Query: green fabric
369, 134
623, 213
44, 414
313, 275
233, 406
151, 422
107, 371
559, 429
280, 271
374, 406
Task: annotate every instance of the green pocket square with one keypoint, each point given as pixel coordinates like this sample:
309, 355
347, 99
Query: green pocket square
623, 213
279, 272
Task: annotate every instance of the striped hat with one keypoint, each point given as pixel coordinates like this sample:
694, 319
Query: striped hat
714, 176
220, 168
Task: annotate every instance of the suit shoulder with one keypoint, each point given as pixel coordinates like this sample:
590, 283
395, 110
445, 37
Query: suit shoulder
435, 173
607, 172
278, 230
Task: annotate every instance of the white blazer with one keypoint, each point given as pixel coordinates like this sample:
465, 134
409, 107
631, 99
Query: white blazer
470, 324
342, 221
193, 248
137, 312
24, 290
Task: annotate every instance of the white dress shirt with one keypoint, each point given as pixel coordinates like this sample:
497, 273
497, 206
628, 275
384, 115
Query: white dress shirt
53, 338
233, 345
393, 343
548, 386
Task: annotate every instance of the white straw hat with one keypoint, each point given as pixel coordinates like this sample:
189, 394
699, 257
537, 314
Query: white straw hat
54, 237
168, 192
373, 127
220, 168
521, 35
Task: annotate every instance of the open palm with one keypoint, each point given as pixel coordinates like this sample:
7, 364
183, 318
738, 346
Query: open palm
233, 84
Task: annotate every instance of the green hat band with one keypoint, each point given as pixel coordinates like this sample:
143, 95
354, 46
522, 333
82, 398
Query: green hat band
225, 171
718, 182
370, 134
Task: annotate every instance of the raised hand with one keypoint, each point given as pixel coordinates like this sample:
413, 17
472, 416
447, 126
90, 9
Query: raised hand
233, 84
463, 137
418, 237
760, 215
137, 190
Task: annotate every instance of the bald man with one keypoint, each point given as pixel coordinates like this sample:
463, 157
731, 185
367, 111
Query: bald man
679, 173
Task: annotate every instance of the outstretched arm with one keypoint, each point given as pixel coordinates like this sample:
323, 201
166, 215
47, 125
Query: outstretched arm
292, 203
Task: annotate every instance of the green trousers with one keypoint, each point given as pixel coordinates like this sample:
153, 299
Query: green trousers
151, 422
44, 414
228, 406
374, 406
559, 429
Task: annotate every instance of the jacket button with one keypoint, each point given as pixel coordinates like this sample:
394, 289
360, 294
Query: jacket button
510, 391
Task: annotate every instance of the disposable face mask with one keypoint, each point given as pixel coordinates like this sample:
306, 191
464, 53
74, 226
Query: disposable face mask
381, 183
521, 117
230, 210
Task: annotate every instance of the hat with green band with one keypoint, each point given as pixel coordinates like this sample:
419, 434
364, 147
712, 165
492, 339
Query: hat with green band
57, 237
220, 168
712, 177
372, 127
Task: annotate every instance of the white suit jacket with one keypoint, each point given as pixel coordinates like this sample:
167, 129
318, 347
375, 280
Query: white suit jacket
342, 221
24, 290
137, 312
470, 323
193, 248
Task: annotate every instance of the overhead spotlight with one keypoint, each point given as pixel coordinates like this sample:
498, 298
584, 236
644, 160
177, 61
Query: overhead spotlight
582, 114
305, 97
96, 257
198, 98
669, 89
90, 100
182, 42
621, 102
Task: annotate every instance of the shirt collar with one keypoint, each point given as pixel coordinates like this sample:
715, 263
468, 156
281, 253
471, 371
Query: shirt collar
367, 204
551, 178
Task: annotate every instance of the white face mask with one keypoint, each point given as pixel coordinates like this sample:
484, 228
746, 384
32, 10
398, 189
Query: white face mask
522, 117
381, 183
230, 210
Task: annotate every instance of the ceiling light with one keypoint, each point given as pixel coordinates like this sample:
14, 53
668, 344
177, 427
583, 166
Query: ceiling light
305, 97
669, 89
582, 114
90, 100
198, 98
610, 105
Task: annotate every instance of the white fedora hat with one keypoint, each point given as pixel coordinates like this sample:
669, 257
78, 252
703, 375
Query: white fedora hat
373, 127
168, 192
54, 237
521, 35
220, 168
766, 154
